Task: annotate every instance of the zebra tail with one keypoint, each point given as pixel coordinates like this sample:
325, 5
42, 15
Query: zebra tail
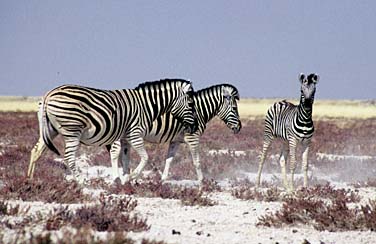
45, 124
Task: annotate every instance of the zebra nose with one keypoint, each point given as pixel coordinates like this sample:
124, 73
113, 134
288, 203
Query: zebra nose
193, 128
190, 127
237, 128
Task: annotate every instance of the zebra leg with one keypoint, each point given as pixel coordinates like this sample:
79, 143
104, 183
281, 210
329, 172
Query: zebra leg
292, 148
72, 144
115, 155
282, 162
265, 148
36, 152
172, 149
194, 148
305, 164
125, 158
140, 150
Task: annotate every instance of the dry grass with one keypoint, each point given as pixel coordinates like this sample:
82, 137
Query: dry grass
18, 104
248, 107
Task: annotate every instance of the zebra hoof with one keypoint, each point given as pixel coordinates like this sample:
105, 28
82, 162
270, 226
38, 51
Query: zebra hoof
164, 177
125, 179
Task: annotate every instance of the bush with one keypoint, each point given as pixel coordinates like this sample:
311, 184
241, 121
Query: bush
323, 215
112, 214
52, 190
155, 188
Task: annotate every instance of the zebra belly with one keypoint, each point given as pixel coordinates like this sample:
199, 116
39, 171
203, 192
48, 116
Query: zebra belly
159, 138
164, 129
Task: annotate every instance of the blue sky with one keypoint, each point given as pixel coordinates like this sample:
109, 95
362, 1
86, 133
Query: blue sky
258, 46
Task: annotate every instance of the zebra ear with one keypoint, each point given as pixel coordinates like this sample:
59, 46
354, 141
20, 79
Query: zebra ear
226, 91
315, 78
301, 77
187, 87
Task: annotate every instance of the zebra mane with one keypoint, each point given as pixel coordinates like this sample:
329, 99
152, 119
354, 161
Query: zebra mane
159, 82
234, 92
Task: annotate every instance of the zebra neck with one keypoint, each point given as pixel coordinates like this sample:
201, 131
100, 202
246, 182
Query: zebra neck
147, 101
206, 108
305, 111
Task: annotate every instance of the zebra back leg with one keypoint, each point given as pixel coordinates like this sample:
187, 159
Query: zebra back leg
172, 149
305, 163
72, 144
282, 162
36, 152
292, 149
115, 155
265, 147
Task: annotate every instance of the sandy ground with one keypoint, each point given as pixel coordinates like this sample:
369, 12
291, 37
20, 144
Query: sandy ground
230, 221
233, 221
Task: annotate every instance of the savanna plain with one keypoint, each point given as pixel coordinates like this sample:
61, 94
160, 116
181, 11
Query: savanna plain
339, 206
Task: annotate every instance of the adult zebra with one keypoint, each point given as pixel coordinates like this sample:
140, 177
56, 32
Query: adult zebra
293, 124
218, 100
100, 117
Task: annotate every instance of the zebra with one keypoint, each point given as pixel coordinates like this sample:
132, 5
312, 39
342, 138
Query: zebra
293, 124
218, 100
99, 117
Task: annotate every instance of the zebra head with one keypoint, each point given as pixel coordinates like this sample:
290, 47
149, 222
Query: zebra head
308, 88
228, 111
183, 108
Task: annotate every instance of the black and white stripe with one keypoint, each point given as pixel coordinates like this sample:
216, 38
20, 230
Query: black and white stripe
100, 117
218, 100
293, 124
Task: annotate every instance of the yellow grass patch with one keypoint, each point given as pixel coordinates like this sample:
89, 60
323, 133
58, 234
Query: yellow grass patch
248, 108
18, 104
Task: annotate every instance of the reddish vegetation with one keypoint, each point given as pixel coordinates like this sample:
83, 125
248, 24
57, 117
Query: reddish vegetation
110, 214
153, 187
333, 216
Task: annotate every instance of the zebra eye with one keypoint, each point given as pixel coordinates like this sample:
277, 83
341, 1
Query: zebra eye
228, 97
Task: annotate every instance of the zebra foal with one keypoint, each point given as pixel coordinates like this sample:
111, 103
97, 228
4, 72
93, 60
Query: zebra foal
217, 100
293, 124
100, 117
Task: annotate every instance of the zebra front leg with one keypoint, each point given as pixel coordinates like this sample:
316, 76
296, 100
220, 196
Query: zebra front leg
125, 158
305, 164
172, 149
140, 150
35, 154
265, 148
196, 160
292, 148
115, 155
282, 162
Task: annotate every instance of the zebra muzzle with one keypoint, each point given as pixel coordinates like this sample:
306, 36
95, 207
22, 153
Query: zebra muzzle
190, 128
236, 129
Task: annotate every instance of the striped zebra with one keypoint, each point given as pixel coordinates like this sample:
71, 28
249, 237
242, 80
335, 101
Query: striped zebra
100, 117
293, 124
218, 100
